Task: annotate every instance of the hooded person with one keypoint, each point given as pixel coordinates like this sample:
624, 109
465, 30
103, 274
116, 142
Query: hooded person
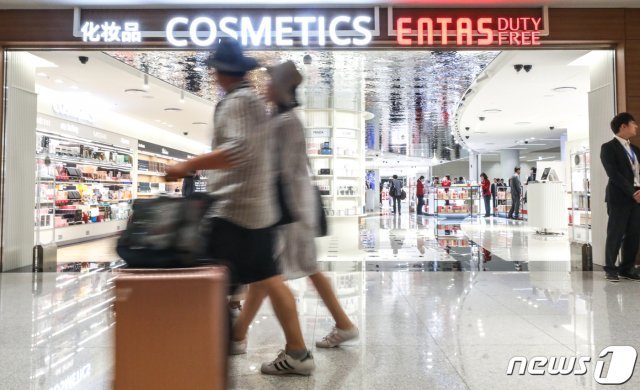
296, 250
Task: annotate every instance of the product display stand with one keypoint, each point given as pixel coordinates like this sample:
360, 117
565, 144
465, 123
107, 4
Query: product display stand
87, 184
457, 201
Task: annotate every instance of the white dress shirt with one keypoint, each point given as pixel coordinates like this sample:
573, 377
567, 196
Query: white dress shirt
633, 159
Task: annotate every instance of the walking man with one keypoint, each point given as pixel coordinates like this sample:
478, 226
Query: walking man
242, 218
396, 185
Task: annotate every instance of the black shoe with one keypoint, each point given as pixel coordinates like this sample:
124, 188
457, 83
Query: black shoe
634, 277
612, 278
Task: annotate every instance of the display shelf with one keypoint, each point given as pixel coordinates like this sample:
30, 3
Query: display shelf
348, 177
148, 173
83, 161
580, 210
100, 203
320, 155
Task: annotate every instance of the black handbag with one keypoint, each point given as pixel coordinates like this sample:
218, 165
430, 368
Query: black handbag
165, 232
323, 228
286, 216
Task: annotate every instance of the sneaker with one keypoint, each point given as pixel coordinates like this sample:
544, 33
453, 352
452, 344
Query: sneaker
337, 337
238, 347
634, 277
612, 278
285, 364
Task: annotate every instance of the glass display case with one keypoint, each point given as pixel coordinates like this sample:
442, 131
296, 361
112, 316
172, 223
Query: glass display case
457, 201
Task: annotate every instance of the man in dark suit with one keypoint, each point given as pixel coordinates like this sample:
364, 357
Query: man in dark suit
494, 193
516, 194
620, 161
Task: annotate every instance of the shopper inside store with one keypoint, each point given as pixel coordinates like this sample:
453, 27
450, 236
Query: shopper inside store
322, 196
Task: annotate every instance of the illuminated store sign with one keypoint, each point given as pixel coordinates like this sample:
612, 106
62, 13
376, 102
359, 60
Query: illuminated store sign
111, 32
272, 31
325, 27
518, 31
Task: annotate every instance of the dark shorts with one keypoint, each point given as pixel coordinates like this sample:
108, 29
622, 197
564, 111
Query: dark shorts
248, 253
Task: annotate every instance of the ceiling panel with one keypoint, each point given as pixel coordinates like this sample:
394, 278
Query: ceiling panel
412, 94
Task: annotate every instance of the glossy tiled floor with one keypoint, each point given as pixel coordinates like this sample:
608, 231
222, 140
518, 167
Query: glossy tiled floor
509, 296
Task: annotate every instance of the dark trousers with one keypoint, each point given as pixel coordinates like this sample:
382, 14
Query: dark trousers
396, 200
623, 230
515, 206
420, 204
495, 204
487, 206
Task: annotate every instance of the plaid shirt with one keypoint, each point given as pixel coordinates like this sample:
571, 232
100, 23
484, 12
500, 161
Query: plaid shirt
245, 193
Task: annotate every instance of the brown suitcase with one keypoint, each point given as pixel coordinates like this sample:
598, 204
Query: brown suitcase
171, 329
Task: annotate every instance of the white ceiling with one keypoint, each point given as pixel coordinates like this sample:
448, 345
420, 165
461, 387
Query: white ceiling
105, 79
203, 3
528, 104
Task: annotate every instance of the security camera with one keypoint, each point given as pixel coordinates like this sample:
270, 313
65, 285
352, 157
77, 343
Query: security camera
466, 136
518, 67
185, 133
467, 128
527, 68
307, 59
526, 142
83, 59
551, 127
481, 118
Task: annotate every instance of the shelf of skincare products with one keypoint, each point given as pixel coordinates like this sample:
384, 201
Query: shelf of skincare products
83, 188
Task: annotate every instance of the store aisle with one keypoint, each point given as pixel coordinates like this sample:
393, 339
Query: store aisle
435, 330
97, 251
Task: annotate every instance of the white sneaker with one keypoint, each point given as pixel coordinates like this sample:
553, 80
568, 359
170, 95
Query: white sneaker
337, 337
238, 347
285, 364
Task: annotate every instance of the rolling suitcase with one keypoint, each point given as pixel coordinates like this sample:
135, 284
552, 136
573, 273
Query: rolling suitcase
171, 329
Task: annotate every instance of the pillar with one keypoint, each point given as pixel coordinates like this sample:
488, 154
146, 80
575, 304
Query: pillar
19, 161
509, 159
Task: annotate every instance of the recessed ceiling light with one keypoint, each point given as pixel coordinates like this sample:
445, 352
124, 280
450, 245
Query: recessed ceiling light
522, 123
74, 87
158, 120
199, 123
59, 81
42, 74
564, 89
171, 126
169, 109
135, 90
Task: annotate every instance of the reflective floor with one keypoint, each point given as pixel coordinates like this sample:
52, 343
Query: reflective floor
507, 293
